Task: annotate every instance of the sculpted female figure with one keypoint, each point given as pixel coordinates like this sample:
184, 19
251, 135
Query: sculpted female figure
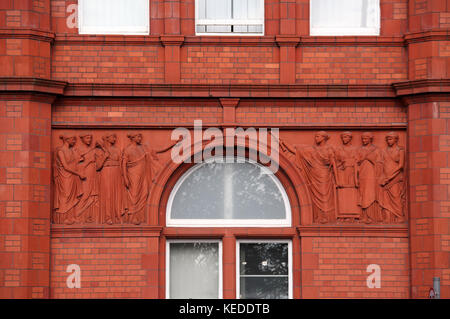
369, 160
67, 182
139, 167
347, 192
392, 181
112, 201
137, 174
318, 165
88, 209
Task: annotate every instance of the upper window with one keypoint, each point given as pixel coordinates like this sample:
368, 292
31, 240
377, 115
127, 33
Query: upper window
228, 192
345, 17
229, 17
113, 17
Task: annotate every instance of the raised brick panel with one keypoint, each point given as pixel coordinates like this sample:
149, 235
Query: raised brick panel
24, 58
346, 112
429, 60
25, 14
25, 198
110, 267
108, 64
428, 14
229, 64
169, 112
336, 267
351, 65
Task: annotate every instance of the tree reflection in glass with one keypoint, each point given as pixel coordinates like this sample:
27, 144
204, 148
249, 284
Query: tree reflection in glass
264, 270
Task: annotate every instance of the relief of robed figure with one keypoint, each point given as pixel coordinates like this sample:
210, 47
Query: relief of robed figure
318, 166
348, 209
393, 190
87, 210
139, 166
67, 182
112, 191
370, 166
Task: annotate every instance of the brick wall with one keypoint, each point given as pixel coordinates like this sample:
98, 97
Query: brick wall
336, 267
108, 63
136, 113
122, 267
24, 198
429, 189
351, 65
320, 112
224, 65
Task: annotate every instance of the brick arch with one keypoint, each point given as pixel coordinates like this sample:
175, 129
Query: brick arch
288, 174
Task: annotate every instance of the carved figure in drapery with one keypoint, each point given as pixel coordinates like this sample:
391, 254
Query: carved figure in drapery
67, 181
139, 166
392, 182
87, 209
317, 164
348, 209
111, 183
369, 160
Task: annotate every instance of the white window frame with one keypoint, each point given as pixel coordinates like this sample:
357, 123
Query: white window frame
344, 31
229, 22
182, 241
176, 222
263, 241
113, 30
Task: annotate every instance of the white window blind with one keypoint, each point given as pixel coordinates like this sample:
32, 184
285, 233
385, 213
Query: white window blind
344, 17
113, 16
230, 17
194, 270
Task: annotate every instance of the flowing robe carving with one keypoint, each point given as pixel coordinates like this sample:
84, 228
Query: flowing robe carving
137, 162
87, 209
393, 192
316, 163
67, 186
369, 172
112, 194
347, 192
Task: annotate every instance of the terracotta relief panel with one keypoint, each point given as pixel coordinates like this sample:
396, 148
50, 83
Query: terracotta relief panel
106, 177
352, 177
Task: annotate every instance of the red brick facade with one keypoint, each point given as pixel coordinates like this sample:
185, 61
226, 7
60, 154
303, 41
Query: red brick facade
54, 80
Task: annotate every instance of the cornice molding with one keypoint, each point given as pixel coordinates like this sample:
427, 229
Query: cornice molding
231, 91
63, 231
32, 34
424, 36
249, 41
426, 86
19, 84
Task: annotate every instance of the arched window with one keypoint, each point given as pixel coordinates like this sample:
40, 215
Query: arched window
228, 192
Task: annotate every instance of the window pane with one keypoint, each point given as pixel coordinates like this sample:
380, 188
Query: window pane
229, 191
230, 16
344, 17
109, 16
264, 288
263, 259
194, 270
218, 9
264, 270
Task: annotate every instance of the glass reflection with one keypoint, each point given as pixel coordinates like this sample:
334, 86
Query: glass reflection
228, 191
264, 270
